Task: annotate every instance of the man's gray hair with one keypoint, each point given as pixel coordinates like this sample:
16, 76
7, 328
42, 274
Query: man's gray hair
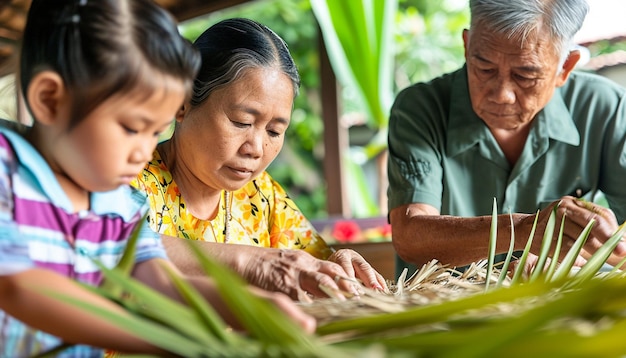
519, 18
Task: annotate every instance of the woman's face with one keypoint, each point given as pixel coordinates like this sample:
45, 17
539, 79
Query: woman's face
238, 131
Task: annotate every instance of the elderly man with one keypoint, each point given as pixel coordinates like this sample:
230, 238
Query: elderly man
515, 124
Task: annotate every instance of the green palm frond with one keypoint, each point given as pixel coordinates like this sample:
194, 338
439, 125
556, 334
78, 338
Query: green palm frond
438, 312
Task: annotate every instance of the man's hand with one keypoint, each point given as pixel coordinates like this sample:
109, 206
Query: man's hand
578, 213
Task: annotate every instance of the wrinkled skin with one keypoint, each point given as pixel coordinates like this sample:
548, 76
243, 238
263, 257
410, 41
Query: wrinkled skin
298, 274
578, 213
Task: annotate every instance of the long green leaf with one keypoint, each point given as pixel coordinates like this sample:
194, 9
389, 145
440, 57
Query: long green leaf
156, 306
544, 252
493, 241
509, 254
147, 330
127, 261
517, 275
597, 260
260, 319
205, 313
568, 262
358, 37
557, 249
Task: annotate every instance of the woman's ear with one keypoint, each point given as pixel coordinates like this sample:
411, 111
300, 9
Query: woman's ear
180, 114
47, 97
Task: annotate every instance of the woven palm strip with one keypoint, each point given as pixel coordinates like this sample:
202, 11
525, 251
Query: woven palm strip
433, 283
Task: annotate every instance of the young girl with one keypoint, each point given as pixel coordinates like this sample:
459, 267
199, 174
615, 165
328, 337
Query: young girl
101, 79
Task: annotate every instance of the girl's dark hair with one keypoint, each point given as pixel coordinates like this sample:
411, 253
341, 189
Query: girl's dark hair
234, 45
103, 47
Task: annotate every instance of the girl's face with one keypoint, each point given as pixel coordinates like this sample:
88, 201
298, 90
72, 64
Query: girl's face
112, 145
238, 131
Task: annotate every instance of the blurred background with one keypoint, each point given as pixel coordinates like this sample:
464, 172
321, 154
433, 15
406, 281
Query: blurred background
353, 56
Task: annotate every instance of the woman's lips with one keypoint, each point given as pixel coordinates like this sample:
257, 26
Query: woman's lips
242, 173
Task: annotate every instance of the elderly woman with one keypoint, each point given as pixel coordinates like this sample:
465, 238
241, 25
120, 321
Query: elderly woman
208, 182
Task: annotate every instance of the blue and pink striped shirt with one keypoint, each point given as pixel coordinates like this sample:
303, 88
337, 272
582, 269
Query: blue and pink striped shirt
38, 228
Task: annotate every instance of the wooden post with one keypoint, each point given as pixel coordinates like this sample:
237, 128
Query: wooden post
335, 139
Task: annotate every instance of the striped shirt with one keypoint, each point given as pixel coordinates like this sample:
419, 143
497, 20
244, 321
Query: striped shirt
39, 229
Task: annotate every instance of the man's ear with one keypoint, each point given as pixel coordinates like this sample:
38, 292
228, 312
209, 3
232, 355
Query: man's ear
568, 67
180, 114
46, 95
466, 42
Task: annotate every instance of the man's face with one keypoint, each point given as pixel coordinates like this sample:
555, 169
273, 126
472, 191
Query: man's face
510, 81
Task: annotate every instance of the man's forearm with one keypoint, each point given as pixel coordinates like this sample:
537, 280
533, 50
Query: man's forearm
456, 241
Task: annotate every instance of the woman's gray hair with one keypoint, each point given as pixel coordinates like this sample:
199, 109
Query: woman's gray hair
231, 47
519, 18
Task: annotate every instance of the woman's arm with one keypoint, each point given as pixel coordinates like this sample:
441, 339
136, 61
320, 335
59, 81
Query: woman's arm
291, 272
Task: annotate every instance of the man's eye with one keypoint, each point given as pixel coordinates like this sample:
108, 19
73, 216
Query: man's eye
523, 78
525, 82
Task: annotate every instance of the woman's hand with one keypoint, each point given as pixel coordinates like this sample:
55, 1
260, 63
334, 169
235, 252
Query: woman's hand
299, 274
293, 272
357, 267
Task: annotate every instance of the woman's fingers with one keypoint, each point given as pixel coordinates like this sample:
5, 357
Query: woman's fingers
302, 276
357, 267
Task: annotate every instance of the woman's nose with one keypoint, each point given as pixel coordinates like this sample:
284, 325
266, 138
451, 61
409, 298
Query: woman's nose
253, 146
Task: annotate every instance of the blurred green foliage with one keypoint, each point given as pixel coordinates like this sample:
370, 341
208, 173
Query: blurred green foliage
428, 43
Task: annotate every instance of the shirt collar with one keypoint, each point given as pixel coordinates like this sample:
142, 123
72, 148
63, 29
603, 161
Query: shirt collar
465, 128
117, 201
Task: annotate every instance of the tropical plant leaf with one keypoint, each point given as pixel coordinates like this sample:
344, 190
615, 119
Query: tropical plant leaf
206, 314
127, 261
148, 330
567, 263
260, 319
493, 240
544, 252
509, 254
559, 242
598, 259
517, 275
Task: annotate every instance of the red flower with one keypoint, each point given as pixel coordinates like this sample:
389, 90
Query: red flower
346, 231
385, 230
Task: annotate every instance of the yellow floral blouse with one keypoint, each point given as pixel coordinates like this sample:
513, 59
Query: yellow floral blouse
262, 214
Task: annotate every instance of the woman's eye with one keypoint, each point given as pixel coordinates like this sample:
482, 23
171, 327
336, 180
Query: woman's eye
240, 124
274, 133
